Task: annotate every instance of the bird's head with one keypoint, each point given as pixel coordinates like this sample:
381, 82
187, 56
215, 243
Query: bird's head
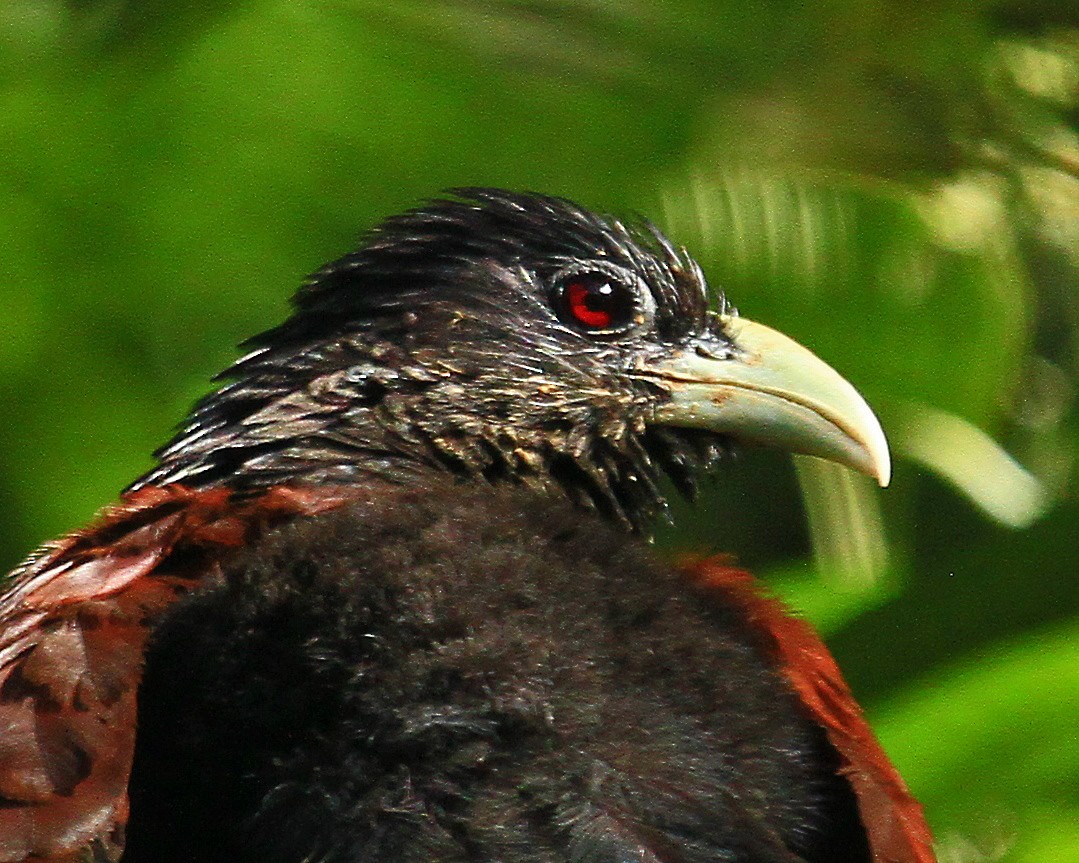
505, 336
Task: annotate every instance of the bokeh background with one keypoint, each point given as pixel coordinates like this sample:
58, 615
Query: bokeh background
896, 184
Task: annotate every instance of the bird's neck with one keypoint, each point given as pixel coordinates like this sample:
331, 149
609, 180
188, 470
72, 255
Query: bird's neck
376, 423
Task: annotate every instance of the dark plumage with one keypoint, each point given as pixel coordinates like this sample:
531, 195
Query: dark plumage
388, 596
449, 674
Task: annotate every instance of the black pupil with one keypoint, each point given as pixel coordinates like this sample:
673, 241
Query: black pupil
596, 302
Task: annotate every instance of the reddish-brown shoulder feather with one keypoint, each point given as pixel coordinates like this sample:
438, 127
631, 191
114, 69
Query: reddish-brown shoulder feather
892, 818
73, 627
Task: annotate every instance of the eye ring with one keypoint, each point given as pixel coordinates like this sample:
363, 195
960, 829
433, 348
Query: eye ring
595, 301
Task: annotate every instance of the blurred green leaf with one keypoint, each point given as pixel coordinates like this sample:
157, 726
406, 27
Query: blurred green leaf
989, 744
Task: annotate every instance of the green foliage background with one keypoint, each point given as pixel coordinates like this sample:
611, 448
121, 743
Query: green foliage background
896, 184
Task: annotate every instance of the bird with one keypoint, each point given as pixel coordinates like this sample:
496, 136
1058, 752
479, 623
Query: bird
388, 595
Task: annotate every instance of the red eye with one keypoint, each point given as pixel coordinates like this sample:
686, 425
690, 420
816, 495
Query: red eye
595, 301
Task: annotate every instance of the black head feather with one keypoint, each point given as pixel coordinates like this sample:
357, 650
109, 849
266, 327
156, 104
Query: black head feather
437, 346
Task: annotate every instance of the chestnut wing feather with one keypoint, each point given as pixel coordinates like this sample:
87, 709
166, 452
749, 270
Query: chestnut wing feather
74, 622
892, 818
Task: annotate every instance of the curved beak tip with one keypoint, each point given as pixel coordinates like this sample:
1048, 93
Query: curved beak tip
878, 458
777, 393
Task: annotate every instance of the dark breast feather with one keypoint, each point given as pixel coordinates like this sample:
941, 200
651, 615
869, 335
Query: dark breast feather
76, 618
